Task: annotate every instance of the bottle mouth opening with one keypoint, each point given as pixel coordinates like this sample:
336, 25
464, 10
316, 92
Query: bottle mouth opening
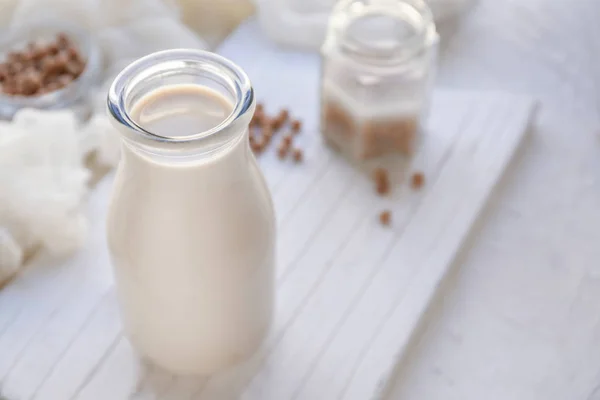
385, 31
172, 68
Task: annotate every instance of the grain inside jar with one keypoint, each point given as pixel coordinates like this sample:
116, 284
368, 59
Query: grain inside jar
362, 133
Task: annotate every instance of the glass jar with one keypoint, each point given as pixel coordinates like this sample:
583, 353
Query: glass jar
378, 62
191, 227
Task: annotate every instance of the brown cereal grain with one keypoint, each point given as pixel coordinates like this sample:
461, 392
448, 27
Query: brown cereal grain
382, 183
385, 217
297, 155
51, 49
282, 151
276, 123
296, 126
417, 180
62, 59
15, 68
30, 83
283, 116
52, 86
287, 140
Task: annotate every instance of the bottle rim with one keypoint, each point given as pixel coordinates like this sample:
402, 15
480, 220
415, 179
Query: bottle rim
167, 63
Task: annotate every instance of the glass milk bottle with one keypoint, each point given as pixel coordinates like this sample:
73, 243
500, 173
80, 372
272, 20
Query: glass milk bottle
378, 63
191, 227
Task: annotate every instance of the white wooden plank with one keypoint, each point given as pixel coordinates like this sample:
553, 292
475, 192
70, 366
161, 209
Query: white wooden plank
49, 344
273, 176
465, 184
313, 212
184, 388
15, 297
332, 287
117, 377
32, 311
359, 267
300, 180
72, 369
153, 383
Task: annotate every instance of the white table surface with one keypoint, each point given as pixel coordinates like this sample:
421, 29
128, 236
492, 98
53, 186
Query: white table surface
522, 317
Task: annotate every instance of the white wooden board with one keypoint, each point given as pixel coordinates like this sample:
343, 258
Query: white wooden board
350, 292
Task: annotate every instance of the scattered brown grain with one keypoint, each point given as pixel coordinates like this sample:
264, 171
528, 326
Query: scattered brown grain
283, 115
264, 128
297, 155
417, 180
267, 131
276, 124
382, 183
385, 217
287, 140
296, 126
282, 151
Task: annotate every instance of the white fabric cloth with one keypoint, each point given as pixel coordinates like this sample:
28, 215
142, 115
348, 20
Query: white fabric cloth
44, 184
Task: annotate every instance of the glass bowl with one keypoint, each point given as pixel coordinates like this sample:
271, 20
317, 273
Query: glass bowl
61, 98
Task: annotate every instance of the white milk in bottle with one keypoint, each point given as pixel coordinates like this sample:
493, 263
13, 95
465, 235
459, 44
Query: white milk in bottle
191, 225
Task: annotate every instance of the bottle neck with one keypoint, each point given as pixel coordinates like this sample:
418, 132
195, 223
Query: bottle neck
177, 67
236, 152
